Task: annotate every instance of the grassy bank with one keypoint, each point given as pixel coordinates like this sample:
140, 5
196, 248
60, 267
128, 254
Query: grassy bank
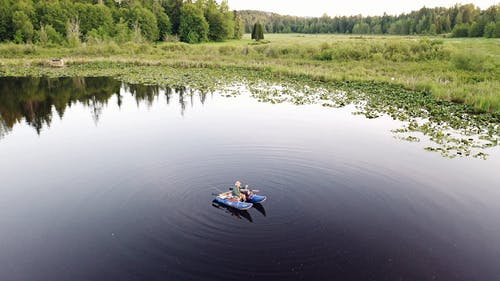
457, 70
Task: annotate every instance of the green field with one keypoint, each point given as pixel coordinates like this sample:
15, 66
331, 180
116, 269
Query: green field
459, 70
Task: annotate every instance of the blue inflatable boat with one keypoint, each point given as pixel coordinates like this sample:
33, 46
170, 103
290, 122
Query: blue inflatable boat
254, 198
227, 199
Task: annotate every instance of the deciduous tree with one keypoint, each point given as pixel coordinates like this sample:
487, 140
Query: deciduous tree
193, 27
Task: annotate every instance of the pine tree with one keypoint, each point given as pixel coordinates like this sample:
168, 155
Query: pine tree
257, 32
173, 9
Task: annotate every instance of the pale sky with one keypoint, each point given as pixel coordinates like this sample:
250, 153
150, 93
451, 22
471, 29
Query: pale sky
316, 8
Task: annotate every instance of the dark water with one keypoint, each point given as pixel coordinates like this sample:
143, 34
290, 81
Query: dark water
104, 181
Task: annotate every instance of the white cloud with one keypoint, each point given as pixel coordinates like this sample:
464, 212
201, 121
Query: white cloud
351, 7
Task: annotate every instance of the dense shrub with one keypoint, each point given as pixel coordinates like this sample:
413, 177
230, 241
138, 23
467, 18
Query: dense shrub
470, 61
461, 30
476, 30
393, 50
489, 30
492, 30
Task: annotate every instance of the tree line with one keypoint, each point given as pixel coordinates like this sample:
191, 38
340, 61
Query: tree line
459, 20
74, 21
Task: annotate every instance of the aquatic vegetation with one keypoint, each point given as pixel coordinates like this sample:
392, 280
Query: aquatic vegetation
453, 129
447, 98
458, 70
446, 127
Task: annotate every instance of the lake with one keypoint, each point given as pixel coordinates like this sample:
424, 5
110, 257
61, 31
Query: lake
102, 180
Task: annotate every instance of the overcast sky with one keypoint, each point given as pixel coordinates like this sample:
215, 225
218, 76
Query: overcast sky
316, 8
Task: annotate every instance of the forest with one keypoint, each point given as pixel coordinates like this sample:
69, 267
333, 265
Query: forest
73, 21
70, 22
459, 20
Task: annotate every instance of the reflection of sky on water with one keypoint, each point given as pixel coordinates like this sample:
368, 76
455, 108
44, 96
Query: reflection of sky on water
86, 199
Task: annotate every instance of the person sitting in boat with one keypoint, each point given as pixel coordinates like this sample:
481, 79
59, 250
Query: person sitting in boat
237, 191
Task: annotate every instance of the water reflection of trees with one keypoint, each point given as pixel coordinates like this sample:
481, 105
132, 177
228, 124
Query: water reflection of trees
34, 100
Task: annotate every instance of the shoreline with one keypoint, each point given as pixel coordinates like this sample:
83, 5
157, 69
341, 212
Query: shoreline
462, 71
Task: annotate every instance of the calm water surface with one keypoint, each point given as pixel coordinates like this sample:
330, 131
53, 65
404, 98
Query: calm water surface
105, 181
